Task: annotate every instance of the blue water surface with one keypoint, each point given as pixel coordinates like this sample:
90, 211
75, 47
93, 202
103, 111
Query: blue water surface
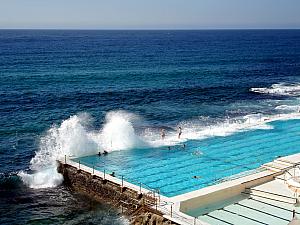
165, 77
199, 164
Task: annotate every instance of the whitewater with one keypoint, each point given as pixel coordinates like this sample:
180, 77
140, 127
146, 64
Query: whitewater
75, 136
199, 80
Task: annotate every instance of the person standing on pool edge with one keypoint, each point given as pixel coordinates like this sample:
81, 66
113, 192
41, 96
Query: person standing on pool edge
179, 132
162, 134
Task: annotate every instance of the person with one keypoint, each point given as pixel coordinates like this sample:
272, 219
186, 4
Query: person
169, 148
179, 132
197, 177
183, 146
99, 153
113, 174
105, 152
163, 134
197, 153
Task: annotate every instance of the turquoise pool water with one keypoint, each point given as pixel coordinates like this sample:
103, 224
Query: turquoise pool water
172, 171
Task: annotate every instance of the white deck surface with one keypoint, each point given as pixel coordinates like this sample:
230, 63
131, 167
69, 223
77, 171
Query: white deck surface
276, 187
269, 203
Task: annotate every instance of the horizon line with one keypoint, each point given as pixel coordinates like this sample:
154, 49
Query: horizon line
154, 29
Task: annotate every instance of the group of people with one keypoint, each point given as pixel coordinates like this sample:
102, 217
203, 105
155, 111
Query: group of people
196, 153
104, 153
163, 133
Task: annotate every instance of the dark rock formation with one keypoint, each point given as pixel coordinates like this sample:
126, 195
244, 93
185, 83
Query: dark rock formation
136, 206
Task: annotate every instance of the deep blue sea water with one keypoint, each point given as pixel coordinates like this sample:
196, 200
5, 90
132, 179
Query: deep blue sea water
168, 78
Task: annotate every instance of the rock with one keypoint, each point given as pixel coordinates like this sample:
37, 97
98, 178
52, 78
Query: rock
109, 192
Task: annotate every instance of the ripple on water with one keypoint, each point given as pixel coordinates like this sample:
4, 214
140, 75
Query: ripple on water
22, 205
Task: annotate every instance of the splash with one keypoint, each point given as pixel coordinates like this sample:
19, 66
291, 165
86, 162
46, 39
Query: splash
45, 178
206, 127
197, 130
118, 132
72, 138
75, 138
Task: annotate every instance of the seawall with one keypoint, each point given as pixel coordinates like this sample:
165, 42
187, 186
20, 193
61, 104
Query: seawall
139, 208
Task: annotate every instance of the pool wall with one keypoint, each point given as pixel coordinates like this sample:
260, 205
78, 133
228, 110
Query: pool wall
160, 209
137, 205
222, 191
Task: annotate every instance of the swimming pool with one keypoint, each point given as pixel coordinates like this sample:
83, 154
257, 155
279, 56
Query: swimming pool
202, 162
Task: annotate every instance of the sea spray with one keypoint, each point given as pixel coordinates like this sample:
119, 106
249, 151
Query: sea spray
199, 129
45, 178
118, 132
72, 138
206, 127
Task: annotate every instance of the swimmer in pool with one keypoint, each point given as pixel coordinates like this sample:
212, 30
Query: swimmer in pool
197, 153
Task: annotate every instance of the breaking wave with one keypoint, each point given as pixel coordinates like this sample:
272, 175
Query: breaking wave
118, 132
122, 130
288, 108
282, 89
74, 138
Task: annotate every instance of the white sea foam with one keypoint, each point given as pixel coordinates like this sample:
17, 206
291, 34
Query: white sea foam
118, 132
74, 137
225, 128
196, 129
279, 89
288, 108
44, 178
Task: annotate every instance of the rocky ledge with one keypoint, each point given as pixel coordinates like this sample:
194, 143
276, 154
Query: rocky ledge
136, 206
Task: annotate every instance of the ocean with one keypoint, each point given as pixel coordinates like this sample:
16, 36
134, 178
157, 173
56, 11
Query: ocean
70, 91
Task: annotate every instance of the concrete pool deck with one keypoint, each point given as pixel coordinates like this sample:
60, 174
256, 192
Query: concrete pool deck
268, 188
269, 203
230, 188
177, 208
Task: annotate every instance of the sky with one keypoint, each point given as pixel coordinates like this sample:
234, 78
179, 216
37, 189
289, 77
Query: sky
149, 14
